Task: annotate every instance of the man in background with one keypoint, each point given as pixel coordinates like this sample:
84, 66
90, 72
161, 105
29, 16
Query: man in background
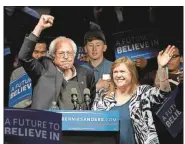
95, 46
39, 51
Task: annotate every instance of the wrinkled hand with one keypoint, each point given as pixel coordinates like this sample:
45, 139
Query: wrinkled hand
140, 62
165, 56
102, 84
45, 21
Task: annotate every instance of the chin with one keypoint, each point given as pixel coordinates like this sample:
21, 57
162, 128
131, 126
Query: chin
65, 68
121, 85
95, 57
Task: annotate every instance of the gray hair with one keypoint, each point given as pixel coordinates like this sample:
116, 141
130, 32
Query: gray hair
52, 47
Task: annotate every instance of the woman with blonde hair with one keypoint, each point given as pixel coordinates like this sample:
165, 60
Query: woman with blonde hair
134, 101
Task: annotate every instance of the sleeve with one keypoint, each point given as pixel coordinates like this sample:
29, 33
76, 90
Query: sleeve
161, 79
102, 102
154, 94
32, 66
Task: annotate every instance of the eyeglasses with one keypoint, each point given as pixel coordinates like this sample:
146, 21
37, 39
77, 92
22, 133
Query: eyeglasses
62, 54
175, 56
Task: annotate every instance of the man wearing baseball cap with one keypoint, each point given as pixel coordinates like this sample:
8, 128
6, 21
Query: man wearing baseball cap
95, 46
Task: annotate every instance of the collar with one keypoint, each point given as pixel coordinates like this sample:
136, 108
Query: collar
67, 78
100, 65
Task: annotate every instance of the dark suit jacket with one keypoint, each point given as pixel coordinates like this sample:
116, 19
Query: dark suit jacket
46, 79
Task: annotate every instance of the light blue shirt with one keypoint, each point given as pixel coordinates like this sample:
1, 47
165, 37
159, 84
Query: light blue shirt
103, 68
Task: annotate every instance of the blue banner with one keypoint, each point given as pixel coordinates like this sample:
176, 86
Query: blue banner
7, 51
20, 92
136, 43
80, 52
170, 116
26, 126
79, 59
89, 120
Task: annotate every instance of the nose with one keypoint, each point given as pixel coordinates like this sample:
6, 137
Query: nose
118, 74
39, 55
94, 48
65, 56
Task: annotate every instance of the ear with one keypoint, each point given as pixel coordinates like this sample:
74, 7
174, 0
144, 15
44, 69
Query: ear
181, 59
85, 48
104, 48
53, 58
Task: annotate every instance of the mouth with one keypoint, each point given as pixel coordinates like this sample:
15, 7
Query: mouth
94, 54
169, 64
65, 61
120, 80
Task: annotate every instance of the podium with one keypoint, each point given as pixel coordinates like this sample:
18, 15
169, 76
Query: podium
28, 126
89, 127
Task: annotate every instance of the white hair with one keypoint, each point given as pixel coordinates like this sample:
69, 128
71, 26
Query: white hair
52, 47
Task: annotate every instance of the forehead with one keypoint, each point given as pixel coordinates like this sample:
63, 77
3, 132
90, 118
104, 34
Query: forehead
176, 51
40, 46
121, 66
64, 46
95, 42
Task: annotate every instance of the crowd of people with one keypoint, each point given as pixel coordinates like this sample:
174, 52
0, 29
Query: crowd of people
55, 74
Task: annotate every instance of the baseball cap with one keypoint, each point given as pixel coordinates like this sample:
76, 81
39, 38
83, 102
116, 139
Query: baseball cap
98, 34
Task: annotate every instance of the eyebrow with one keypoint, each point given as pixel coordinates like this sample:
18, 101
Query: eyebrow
40, 51
64, 51
95, 43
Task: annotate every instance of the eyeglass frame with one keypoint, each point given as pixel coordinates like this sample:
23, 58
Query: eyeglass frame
175, 56
62, 54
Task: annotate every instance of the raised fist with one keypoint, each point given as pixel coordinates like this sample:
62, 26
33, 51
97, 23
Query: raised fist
45, 21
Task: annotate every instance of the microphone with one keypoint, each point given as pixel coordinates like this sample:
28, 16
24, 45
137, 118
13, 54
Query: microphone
74, 97
87, 98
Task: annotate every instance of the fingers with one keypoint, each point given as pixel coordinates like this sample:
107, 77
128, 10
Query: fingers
140, 62
137, 64
167, 49
161, 52
47, 20
137, 60
180, 78
170, 50
102, 84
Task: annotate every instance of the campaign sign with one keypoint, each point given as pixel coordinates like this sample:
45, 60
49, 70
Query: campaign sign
79, 58
20, 91
27, 126
80, 52
89, 120
170, 116
136, 43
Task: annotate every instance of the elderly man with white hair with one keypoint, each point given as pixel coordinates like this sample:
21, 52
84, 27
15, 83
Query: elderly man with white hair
56, 75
